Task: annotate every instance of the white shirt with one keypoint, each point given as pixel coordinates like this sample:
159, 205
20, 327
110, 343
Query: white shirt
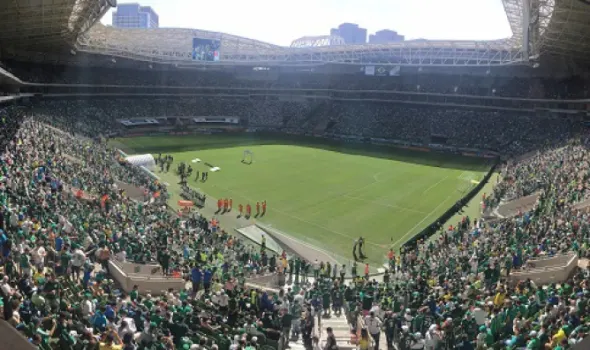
122, 256
223, 300
6, 289
78, 258
87, 308
373, 324
38, 255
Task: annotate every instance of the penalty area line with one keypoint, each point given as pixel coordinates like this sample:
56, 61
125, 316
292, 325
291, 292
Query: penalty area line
436, 184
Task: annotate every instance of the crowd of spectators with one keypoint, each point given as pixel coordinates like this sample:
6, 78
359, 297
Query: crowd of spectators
504, 132
459, 83
65, 212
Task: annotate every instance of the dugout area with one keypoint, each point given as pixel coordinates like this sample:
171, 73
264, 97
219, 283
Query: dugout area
325, 194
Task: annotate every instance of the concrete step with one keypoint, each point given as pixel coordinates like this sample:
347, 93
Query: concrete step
297, 345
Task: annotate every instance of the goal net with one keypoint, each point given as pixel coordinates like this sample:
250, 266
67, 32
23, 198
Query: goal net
248, 157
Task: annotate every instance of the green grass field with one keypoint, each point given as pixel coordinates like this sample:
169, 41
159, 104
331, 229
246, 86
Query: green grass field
327, 194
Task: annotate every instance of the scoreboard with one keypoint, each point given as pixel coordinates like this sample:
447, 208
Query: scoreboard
206, 49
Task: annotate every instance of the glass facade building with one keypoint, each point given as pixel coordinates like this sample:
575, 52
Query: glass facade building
135, 16
351, 33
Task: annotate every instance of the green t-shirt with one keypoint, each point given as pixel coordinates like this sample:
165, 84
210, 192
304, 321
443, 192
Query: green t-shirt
49, 287
533, 344
24, 261
65, 259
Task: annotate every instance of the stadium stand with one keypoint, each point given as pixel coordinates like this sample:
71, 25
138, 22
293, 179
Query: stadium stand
67, 216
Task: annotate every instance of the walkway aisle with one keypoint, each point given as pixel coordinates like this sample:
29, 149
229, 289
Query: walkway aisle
341, 331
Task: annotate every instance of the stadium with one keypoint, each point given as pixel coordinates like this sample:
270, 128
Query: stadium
179, 188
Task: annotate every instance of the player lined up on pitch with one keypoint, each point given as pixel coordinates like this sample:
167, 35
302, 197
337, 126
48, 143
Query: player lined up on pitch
248, 213
225, 205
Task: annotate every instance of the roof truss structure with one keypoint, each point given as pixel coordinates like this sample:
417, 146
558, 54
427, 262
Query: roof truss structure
47, 24
174, 46
318, 41
558, 27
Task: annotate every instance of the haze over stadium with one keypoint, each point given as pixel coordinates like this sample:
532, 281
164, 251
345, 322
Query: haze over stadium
257, 175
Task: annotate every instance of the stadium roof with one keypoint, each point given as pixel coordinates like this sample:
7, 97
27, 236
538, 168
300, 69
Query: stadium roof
558, 27
174, 45
47, 24
317, 41
36, 27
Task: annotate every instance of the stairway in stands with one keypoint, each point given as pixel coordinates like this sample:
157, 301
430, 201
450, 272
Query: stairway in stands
315, 116
331, 123
341, 330
321, 126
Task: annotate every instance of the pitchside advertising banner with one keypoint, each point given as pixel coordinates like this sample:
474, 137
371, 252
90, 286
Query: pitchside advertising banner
382, 71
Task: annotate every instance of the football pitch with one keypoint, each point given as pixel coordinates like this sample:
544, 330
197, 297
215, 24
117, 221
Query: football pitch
324, 193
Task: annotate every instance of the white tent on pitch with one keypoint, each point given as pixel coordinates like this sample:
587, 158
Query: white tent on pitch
145, 160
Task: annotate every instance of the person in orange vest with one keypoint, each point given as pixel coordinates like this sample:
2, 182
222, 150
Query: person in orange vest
219, 204
257, 208
367, 271
263, 207
214, 224
225, 204
248, 210
230, 204
240, 208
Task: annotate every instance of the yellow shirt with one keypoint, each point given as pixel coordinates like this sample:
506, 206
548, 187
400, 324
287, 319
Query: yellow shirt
558, 337
499, 299
103, 346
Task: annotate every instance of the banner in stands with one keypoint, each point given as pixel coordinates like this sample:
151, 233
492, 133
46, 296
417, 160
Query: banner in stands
228, 120
135, 122
383, 71
206, 50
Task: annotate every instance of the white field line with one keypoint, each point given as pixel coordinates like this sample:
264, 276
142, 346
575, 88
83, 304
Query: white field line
436, 184
376, 176
421, 221
385, 205
299, 241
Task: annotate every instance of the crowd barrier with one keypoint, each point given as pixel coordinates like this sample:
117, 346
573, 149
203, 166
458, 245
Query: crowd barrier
12, 338
446, 216
556, 269
583, 345
148, 278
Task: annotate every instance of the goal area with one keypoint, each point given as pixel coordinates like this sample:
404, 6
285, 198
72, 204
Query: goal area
248, 157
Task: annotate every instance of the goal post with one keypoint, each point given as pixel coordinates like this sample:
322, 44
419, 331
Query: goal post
248, 157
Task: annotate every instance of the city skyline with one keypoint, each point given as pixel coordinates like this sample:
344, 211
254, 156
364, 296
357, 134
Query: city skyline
281, 23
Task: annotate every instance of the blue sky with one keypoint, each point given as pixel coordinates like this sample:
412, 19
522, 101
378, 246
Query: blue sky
280, 21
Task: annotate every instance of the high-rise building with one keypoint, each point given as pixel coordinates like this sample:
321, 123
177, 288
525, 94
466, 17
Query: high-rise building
135, 16
385, 36
351, 33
